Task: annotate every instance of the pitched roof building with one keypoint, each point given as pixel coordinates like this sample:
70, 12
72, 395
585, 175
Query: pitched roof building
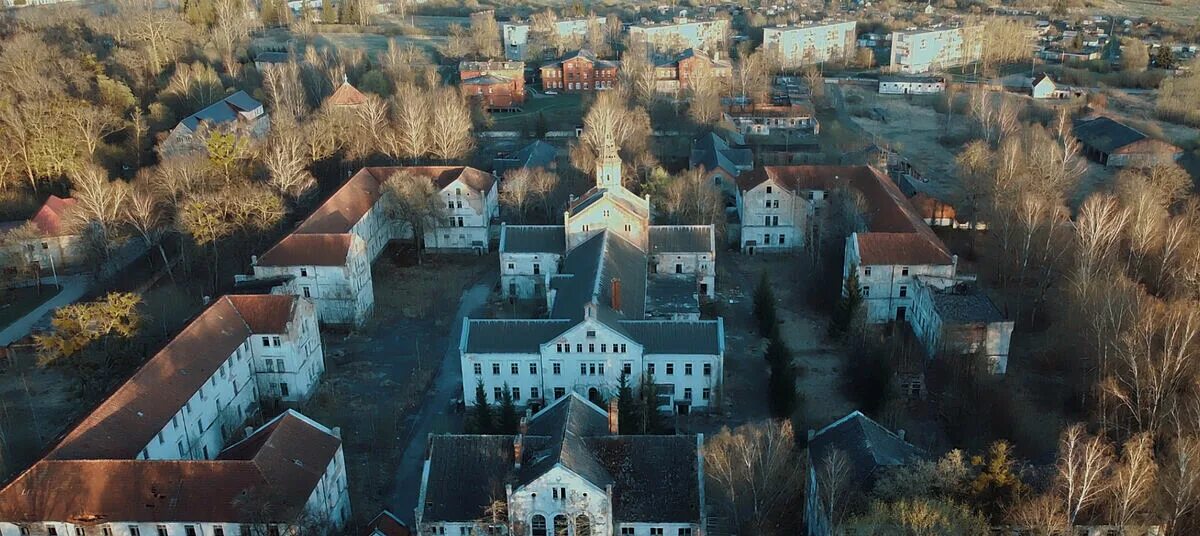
1115, 144
238, 113
579, 71
567, 469
498, 84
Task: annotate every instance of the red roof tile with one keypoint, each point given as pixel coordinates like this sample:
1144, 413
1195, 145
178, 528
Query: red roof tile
900, 249
51, 218
387, 524
264, 313
298, 249
122, 425
347, 95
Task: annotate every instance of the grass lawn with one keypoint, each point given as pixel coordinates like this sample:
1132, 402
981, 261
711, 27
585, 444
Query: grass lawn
18, 302
562, 112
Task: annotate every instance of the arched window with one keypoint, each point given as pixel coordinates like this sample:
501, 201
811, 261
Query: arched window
560, 526
583, 526
537, 527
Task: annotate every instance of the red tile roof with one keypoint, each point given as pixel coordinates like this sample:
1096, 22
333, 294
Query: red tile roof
345, 207
264, 313
387, 524
122, 425
51, 218
299, 249
900, 249
276, 468
347, 95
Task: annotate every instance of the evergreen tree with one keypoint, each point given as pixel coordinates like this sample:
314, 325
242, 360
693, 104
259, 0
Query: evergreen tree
540, 128
1164, 58
764, 307
777, 351
482, 418
652, 420
627, 407
781, 390
508, 420
847, 305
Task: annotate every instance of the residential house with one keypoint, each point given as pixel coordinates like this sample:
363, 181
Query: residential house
762, 119
960, 320
162, 454
500, 85
536, 155
567, 470
623, 298
672, 76
1045, 88
270, 58
911, 85
867, 449
922, 51
46, 241
238, 114
580, 71
721, 162
811, 42
1115, 144
328, 256
515, 35
681, 34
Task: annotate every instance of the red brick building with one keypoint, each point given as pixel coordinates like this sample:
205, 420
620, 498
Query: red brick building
500, 84
672, 76
581, 71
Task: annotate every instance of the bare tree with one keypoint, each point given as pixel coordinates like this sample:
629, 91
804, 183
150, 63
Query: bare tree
91, 124
1083, 465
755, 472
235, 20
450, 128
1042, 515
705, 88
283, 87
412, 122
1154, 366
414, 201
525, 189
636, 78
1180, 479
99, 204
144, 213
287, 160
1133, 481
1135, 57
835, 487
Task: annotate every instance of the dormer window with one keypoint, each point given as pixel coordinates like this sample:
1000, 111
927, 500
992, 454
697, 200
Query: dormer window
591, 333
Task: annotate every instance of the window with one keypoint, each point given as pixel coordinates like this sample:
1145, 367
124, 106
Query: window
687, 369
781, 239
583, 526
706, 394
810, 195
656, 531
497, 393
190, 530
557, 367
601, 365
592, 369
866, 271
768, 203
279, 366
537, 268
628, 531
866, 291
135, 531
511, 266
182, 452
670, 369
160, 438
79, 531
649, 368
603, 348
283, 389
533, 368
679, 268
591, 348
622, 348
495, 369
516, 392
766, 239
904, 270
537, 526
272, 530
768, 189
685, 531
583, 369
591, 333
266, 342
478, 369
162, 531
766, 220
307, 292
52, 531
708, 369
903, 291
515, 368
627, 368
579, 348
218, 531
275, 342
559, 392
534, 393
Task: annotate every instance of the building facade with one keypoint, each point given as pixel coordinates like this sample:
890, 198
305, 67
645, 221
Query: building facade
581, 71
960, 320
45, 242
238, 114
922, 51
763, 119
911, 85
813, 42
567, 471
623, 298
516, 35
1115, 144
673, 76
681, 34
497, 84
328, 257
165, 452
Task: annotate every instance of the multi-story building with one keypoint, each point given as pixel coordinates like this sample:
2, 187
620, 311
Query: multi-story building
328, 257
681, 34
623, 298
499, 84
960, 320
239, 114
672, 76
567, 470
921, 51
761, 119
516, 35
811, 42
581, 71
162, 454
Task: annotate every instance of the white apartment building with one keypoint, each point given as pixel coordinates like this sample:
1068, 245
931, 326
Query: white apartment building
566, 471
623, 298
811, 42
681, 34
515, 35
922, 51
328, 256
154, 455
961, 320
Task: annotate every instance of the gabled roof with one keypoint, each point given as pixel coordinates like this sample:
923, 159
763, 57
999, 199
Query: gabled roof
222, 111
565, 424
346, 95
619, 196
866, 443
346, 206
1106, 134
386, 524
895, 249
511, 336
686, 337
584, 54
122, 425
587, 275
549, 239
267, 477
300, 249
654, 477
538, 154
466, 474
965, 304
713, 153
487, 80
681, 239
51, 219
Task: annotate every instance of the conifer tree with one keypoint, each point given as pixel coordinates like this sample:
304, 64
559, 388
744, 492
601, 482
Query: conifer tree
847, 305
628, 412
652, 420
508, 420
764, 307
482, 418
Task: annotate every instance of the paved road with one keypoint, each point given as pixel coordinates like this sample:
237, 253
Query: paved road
435, 410
74, 287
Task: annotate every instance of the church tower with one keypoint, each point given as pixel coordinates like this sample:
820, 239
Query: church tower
608, 166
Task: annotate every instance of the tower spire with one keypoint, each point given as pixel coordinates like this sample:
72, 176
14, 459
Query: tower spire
608, 164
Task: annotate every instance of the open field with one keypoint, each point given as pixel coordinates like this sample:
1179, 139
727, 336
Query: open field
1179, 11
371, 43
561, 112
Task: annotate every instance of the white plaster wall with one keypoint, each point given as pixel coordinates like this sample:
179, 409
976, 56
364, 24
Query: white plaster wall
605, 214
537, 497
793, 212
815, 44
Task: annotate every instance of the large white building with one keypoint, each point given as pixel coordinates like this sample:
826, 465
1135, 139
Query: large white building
811, 42
922, 51
515, 35
681, 34
165, 454
328, 257
623, 298
566, 472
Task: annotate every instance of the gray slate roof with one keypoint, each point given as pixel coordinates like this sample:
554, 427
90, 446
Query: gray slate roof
272, 57
587, 275
1106, 135
965, 306
866, 443
222, 111
703, 337
511, 336
671, 293
713, 153
538, 154
533, 239
487, 80
654, 478
681, 239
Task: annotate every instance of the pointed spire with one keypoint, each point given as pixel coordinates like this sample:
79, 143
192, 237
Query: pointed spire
608, 165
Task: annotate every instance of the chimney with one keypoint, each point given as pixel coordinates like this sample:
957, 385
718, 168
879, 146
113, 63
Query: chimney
614, 415
900, 434
337, 432
616, 294
254, 260
518, 448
